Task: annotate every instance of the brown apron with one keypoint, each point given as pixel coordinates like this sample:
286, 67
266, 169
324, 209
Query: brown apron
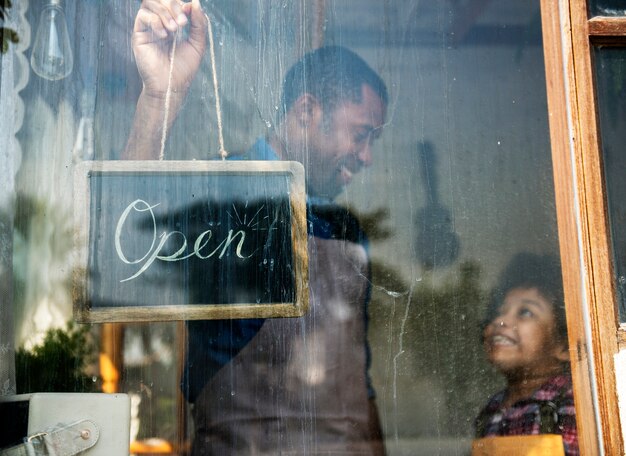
299, 386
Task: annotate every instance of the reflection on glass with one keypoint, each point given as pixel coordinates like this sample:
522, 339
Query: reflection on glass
459, 181
607, 8
611, 86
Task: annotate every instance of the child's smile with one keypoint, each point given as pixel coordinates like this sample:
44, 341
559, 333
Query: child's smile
523, 336
499, 339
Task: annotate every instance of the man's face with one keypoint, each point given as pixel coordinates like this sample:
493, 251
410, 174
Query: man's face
339, 143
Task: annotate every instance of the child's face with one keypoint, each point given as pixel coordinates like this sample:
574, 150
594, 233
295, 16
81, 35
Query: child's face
523, 337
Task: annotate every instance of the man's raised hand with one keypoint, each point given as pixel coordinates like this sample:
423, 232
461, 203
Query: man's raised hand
157, 24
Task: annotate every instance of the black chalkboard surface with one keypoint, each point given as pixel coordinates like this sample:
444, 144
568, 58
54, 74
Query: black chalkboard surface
170, 240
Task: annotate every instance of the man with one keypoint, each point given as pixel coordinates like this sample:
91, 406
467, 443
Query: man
295, 385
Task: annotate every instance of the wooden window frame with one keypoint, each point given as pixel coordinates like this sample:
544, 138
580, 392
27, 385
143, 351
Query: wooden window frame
595, 334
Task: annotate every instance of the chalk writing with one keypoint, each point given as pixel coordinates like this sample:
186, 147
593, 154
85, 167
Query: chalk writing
155, 252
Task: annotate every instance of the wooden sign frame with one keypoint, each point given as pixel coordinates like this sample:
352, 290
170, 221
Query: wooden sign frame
88, 179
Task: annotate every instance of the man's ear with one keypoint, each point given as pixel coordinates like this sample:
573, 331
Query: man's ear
307, 110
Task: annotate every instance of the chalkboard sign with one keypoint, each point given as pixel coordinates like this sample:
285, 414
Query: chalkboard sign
171, 240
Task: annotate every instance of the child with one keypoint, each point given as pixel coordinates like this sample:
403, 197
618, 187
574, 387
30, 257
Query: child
525, 338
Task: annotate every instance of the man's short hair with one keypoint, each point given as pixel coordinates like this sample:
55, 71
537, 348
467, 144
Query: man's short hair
331, 74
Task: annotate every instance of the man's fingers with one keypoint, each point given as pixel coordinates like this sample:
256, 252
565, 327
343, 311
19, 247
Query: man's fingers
198, 27
175, 8
169, 13
148, 25
158, 19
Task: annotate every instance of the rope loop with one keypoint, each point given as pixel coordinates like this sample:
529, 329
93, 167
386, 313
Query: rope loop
222, 150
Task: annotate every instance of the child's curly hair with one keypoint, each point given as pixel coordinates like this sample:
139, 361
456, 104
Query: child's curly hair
528, 270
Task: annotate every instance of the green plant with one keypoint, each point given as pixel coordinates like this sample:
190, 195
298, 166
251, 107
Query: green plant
58, 364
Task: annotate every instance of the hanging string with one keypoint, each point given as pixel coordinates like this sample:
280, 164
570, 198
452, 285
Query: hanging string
168, 95
222, 150
218, 110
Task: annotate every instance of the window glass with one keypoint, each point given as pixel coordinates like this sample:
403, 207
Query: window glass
429, 210
607, 8
610, 73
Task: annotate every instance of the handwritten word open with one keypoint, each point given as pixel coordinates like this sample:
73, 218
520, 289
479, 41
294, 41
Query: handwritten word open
158, 242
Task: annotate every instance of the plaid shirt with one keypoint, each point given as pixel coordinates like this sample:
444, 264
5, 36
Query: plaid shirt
523, 417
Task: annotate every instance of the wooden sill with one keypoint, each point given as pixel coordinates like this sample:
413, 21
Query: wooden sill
607, 26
